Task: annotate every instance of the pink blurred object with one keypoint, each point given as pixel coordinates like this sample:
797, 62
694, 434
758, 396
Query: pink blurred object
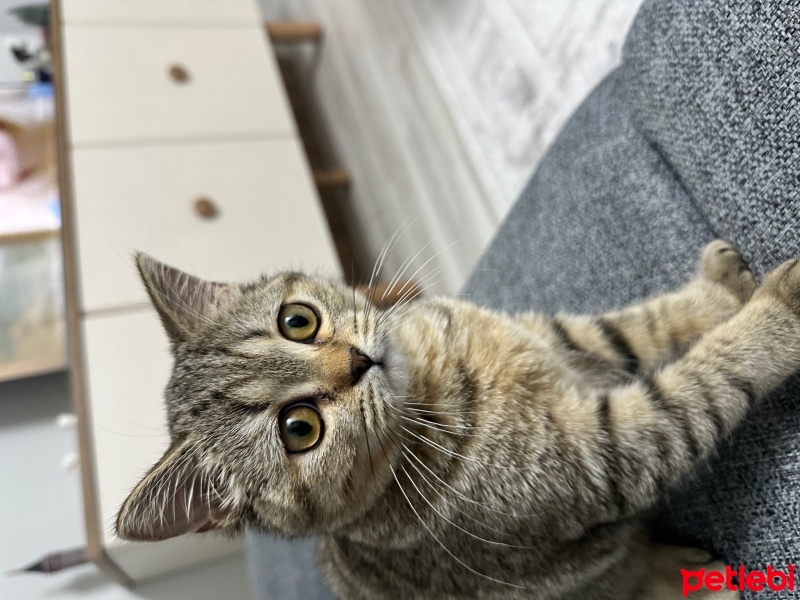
26, 148
10, 166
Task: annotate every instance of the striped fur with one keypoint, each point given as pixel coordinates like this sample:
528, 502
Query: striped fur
487, 455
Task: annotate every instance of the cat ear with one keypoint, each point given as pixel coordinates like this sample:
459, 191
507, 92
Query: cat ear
174, 498
184, 302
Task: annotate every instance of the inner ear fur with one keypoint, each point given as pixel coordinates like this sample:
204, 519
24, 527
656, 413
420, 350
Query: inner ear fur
177, 496
184, 302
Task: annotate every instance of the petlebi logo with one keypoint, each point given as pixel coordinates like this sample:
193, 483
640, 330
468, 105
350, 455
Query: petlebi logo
771, 579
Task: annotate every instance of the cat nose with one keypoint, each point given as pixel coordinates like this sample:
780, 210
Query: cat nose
359, 364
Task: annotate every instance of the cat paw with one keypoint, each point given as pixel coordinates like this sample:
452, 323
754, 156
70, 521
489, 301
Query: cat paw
721, 263
783, 283
665, 579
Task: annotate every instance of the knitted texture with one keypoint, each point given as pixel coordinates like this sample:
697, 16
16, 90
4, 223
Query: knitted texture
695, 136
716, 87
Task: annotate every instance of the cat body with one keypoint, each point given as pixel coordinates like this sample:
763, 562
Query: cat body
443, 450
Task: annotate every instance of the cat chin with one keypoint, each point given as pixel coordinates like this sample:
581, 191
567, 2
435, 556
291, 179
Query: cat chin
292, 527
296, 533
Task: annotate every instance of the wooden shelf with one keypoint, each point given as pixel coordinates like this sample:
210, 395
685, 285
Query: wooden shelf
329, 178
23, 237
281, 32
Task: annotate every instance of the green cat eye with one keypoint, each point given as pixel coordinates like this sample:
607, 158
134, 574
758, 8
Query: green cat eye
298, 322
301, 427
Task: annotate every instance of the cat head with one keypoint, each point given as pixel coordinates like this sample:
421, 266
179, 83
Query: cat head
280, 406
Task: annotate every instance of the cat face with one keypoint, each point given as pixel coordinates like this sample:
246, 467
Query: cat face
281, 406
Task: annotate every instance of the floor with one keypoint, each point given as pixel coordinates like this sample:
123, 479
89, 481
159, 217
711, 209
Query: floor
441, 111
41, 510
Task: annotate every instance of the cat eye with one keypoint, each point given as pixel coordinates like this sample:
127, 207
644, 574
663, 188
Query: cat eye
298, 322
301, 427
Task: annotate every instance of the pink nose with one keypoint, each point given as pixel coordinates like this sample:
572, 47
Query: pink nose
359, 364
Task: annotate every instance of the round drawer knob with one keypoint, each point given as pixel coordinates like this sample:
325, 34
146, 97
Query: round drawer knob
205, 208
178, 73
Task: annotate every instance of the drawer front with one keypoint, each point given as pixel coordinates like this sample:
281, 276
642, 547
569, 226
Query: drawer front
177, 12
144, 198
128, 365
142, 84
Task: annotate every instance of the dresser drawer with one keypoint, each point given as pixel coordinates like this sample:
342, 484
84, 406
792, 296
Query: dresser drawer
145, 198
162, 12
128, 367
142, 84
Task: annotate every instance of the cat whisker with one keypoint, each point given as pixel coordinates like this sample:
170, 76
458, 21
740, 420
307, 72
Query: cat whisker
422, 266
190, 496
432, 257
410, 289
355, 309
401, 270
410, 302
456, 525
426, 415
432, 426
455, 506
341, 552
455, 454
438, 541
415, 288
397, 322
417, 415
408, 298
432, 411
408, 453
140, 435
407, 407
378, 266
366, 435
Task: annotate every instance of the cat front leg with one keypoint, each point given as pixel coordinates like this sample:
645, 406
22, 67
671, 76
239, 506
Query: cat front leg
643, 337
650, 433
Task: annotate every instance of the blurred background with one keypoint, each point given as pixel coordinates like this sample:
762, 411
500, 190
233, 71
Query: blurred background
404, 126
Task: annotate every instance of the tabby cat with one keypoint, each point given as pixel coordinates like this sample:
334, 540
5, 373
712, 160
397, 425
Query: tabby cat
441, 450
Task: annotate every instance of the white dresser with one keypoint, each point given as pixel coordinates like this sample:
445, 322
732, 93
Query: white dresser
176, 139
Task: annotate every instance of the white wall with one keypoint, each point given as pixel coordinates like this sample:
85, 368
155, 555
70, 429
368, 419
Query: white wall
441, 109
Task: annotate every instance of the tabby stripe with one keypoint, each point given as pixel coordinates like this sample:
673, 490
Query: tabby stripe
462, 443
470, 394
617, 341
563, 335
711, 407
651, 322
306, 501
610, 451
660, 475
229, 353
380, 428
448, 315
584, 474
559, 448
229, 390
746, 388
739, 384
678, 414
